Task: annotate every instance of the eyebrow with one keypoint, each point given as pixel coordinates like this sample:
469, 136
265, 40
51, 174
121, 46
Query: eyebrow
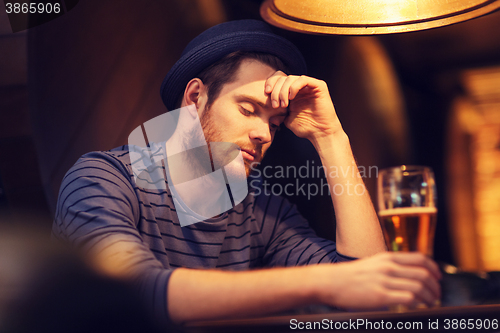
254, 100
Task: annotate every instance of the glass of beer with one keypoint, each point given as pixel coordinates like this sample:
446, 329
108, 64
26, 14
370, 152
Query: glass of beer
407, 208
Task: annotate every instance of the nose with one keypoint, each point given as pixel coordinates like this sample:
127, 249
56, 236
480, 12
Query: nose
260, 132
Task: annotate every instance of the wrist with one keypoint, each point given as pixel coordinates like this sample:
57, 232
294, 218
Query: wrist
321, 286
326, 143
336, 279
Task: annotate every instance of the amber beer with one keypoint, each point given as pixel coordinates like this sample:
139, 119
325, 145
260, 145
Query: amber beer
409, 228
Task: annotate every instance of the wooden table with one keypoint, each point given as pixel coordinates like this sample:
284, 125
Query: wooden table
443, 319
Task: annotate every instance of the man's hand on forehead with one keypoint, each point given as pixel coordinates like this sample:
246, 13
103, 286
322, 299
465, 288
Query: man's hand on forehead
311, 111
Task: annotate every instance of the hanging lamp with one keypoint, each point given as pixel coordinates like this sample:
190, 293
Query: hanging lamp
368, 17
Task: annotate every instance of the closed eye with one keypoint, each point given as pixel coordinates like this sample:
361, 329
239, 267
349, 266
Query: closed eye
248, 113
245, 112
275, 127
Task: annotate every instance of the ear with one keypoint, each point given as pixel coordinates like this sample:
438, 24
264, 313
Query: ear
195, 93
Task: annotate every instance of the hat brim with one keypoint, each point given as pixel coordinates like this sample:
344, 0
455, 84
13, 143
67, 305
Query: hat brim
214, 49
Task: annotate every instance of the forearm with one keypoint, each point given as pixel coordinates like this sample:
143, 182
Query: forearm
358, 231
381, 280
212, 294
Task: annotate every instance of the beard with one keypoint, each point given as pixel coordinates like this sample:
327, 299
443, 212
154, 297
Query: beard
212, 135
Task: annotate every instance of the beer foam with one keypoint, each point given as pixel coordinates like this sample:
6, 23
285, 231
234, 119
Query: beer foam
408, 211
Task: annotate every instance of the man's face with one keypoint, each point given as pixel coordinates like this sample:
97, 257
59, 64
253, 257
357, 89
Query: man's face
242, 114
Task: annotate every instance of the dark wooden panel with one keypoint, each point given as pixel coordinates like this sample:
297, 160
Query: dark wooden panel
95, 75
4, 23
21, 183
18, 163
14, 114
13, 60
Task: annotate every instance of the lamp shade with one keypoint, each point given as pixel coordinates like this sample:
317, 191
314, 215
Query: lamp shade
368, 17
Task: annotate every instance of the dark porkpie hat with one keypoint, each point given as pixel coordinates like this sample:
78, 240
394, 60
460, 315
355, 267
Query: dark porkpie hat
220, 40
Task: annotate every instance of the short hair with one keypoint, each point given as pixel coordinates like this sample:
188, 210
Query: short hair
215, 76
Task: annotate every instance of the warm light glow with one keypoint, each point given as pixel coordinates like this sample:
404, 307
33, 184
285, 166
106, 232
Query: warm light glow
474, 164
367, 17
395, 220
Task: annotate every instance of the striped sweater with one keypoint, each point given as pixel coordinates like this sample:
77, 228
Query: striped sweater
100, 207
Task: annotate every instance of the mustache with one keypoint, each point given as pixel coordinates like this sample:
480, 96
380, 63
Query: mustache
257, 148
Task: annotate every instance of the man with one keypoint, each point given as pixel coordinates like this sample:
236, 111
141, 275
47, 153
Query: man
233, 78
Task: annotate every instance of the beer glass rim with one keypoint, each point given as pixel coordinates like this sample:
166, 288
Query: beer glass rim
407, 168
398, 173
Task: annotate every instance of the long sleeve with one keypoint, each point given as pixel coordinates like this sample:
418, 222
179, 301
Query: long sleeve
98, 211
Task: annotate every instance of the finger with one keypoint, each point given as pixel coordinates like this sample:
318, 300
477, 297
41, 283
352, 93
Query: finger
403, 297
307, 84
420, 274
417, 259
271, 81
275, 94
297, 86
285, 90
418, 289
398, 297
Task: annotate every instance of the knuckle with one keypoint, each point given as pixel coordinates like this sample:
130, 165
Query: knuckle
409, 298
419, 287
321, 84
426, 275
378, 294
380, 297
422, 259
388, 268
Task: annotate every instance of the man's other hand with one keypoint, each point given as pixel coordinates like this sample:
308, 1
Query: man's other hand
385, 279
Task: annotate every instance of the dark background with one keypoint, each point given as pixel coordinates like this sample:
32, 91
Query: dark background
84, 81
